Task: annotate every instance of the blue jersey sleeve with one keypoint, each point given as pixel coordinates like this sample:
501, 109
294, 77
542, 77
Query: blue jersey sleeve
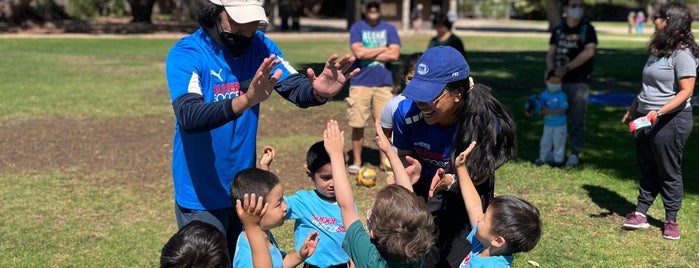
401, 133
292, 203
293, 86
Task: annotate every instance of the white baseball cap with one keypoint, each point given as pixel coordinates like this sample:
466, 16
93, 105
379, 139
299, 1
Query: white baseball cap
243, 11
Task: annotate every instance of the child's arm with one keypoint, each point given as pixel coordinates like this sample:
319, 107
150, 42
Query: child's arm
306, 250
250, 212
334, 144
267, 158
472, 200
384, 145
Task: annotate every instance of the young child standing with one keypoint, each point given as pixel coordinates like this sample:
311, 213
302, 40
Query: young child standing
264, 183
400, 227
508, 226
554, 105
318, 211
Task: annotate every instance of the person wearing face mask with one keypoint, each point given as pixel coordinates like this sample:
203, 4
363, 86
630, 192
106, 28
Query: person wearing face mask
554, 104
217, 78
571, 55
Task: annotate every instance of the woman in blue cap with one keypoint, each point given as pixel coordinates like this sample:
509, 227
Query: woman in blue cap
445, 111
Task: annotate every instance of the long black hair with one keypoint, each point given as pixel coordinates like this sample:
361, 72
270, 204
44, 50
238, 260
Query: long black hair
677, 33
484, 119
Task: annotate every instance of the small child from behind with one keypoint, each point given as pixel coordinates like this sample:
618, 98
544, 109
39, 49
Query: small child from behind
554, 105
197, 244
508, 226
400, 227
263, 183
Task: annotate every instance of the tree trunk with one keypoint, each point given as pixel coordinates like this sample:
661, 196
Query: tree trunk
141, 10
553, 13
13, 10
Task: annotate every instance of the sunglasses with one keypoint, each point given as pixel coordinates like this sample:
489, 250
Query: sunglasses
434, 102
575, 5
659, 17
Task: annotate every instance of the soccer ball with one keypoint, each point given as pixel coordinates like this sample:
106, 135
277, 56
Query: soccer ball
366, 176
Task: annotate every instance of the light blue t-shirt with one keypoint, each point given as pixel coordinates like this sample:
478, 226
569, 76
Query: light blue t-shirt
243, 253
552, 101
204, 164
472, 260
315, 214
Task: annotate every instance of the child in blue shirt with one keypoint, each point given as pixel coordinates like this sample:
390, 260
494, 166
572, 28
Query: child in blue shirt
264, 183
554, 105
508, 226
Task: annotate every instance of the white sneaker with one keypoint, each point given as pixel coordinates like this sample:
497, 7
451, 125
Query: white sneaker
572, 160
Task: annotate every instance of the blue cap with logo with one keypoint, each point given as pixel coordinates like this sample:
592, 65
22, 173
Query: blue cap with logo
437, 67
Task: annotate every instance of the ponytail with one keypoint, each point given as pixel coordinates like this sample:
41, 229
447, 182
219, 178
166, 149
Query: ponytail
488, 122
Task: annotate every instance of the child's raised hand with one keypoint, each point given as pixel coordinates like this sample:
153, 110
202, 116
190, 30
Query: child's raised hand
267, 157
381, 140
414, 169
463, 156
251, 209
333, 138
309, 245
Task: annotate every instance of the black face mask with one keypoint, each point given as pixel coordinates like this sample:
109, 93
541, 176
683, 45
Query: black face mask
236, 43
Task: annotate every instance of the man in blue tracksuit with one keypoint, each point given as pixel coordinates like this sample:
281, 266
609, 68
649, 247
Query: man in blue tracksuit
217, 77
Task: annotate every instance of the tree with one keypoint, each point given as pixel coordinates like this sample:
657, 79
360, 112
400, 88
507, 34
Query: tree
553, 13
141, 10
13, 10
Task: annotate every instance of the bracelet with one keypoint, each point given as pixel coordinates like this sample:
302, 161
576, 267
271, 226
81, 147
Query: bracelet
453, 180
659, 113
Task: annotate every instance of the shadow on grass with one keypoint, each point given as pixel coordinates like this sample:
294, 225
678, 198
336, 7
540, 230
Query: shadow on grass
609, 147
613, 203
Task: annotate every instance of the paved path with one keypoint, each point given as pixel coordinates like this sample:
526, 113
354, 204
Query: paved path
336, 28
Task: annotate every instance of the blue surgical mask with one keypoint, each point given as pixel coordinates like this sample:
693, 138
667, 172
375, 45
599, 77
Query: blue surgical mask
576, 13
553, 88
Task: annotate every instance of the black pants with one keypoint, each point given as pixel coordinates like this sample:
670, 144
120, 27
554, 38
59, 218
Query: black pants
659, 151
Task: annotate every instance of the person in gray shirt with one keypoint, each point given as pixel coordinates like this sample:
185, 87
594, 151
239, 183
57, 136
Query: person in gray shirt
668, 84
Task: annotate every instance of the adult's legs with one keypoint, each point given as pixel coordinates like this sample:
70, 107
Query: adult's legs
577, 94
226, 220
359, 102
668, 143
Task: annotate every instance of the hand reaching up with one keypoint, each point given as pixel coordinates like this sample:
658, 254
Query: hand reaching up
267, 157
333, 139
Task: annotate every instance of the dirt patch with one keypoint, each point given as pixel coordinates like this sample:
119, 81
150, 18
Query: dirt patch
139, 150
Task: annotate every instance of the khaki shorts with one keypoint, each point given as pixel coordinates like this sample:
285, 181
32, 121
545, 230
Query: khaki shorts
364, 102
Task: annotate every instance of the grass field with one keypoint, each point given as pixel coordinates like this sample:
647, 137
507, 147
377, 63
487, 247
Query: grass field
86, 127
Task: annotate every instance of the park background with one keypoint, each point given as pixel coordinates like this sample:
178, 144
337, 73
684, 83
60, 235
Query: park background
86, 135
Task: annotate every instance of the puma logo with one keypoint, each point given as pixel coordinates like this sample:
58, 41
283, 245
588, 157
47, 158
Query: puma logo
218, 75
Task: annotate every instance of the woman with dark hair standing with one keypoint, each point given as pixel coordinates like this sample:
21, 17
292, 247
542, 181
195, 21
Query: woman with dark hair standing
445, 37
668, 84
444, 111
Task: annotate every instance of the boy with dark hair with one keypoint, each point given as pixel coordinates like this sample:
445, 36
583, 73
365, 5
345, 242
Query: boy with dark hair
508, 226
197, 244
318, 211
400, 227
264, 183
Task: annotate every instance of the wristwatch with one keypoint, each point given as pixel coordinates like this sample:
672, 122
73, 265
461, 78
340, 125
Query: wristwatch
658, 113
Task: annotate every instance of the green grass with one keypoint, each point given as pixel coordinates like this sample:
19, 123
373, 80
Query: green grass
64, 218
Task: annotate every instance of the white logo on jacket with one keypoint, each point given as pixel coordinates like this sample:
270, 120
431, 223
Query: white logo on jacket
218, 75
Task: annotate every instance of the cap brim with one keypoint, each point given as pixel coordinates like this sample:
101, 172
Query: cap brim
246, 14
423, 91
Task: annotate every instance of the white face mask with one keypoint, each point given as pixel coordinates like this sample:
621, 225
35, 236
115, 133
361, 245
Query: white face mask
576, 12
